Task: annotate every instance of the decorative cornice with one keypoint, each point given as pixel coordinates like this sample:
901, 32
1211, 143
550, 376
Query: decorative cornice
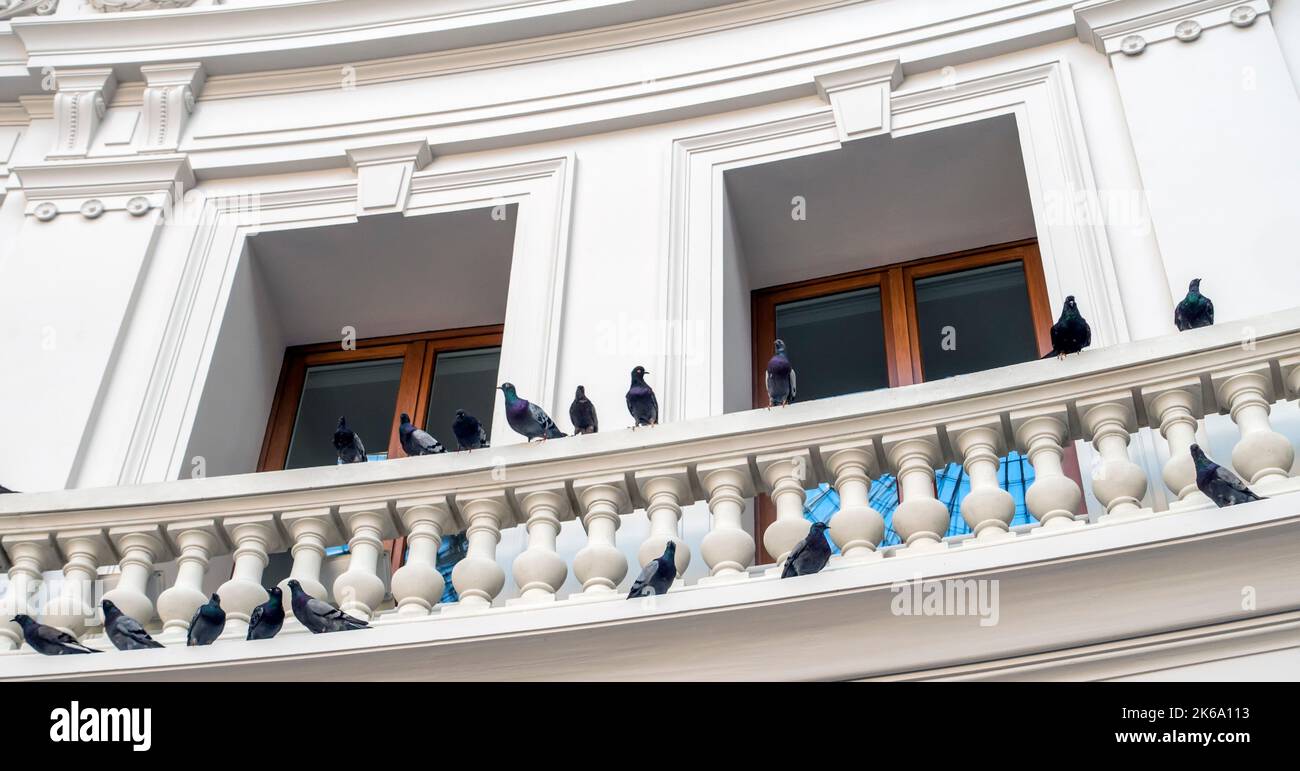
113, 6
1130, 26
92, 187
11, 8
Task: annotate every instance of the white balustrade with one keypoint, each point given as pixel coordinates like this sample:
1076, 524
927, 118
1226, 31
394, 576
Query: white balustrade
255, 536
359, 590
727, 549
920, 519
73, 609
600, 565
664, 491
418, 585
856, 528
196, 543
312, 531
478, 578
1120, 484
139, 547
786, 475
538, 570
1263, 457
987, 508
1174, 407
29, 555
1053, 498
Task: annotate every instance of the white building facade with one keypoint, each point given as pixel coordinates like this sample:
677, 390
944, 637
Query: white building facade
212, 214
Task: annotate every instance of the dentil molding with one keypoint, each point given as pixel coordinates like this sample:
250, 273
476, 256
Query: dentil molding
132, 184
1129, 26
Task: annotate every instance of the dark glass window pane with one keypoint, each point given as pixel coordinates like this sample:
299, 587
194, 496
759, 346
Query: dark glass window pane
974, 320
364, 391
836, 343
462, 380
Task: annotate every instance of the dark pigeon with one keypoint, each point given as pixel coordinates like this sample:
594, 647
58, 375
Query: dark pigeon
1195, 310
470, 434
125, 632
1219, 484
810, 555
48, 640
658, 575
582, 413
417, 442
320, 616
780, 378
1070, 333
208, 622
528, 419
267, 618
4, 490
347, 444
641, 401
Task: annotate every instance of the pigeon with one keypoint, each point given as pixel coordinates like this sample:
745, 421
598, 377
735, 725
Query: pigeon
267, 618
780, 378
348, 444
1195, 310
4, 490
582, 413
641, 401
810, 555
1219, 484
208, 622
470, 434
320, 616
48, 640
658, 575
527, 418
125, 632
417, 442
1070, 334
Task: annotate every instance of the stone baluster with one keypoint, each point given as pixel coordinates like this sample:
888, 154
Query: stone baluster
538, 570
856, 528
312, 530
664, 491
1174, 407
29, 555
921, 520
987, 508
196, 543
140, 547
727, 549
478, 578
417, 585
1109, 421
74, 607
600, 565
254, 536
1053, 498
359, 590
1262, 456
786, 476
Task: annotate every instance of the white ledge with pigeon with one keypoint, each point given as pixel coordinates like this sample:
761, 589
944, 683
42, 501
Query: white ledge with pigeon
1099, 573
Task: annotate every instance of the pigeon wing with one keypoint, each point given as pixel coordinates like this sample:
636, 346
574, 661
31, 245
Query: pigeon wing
647, 575
541, 417
426, 441
792, 384
1230, 479
654, 406
1180, 315
1209, 309
322, 609
256, 617
134, 630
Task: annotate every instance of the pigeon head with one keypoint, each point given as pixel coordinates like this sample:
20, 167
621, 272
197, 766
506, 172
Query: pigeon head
294, 586
276, 593
23, 620
670, 551
581, 393
1199, 456
460, 413
215, 599
109, 608
639, 373
1195, 286
1069, 302
780, 347
509, 390
820, 527
405, 418
343, 423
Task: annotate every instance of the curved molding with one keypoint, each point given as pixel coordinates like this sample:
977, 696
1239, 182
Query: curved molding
13, 8
113, 6
1111, 26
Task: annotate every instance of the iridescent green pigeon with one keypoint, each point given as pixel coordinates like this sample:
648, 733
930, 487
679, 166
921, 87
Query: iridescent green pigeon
1195, 310
1070, 333
527, 418
267, 618
208, 623
1219, 484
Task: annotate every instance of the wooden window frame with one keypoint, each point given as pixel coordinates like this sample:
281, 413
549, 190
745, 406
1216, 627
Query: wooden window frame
898, 315
419, 353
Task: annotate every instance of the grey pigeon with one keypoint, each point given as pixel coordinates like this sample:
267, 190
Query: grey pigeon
415, 441
347, 444
658, 575
1195, 310
582, 413
641, 401
267, 618
527, 418
1070, 333
320, 616
470, 434
780, 378
125, 632
4, 490
1219, 484
208, 622
48, 640
810, 555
